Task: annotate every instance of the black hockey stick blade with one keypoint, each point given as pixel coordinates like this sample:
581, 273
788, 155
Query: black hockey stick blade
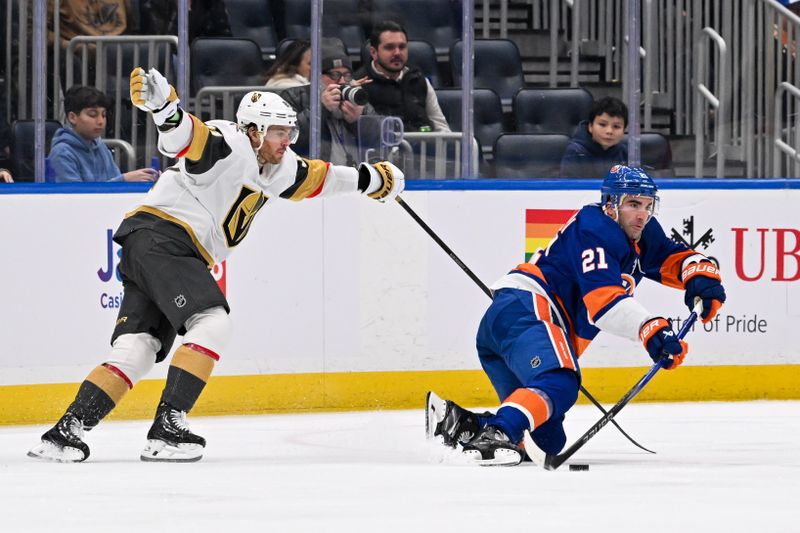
553, 461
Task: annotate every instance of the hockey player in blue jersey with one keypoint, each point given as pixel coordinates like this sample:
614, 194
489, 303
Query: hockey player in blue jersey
546, 312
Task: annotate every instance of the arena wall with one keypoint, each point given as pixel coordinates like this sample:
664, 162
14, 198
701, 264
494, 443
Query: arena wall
347, 304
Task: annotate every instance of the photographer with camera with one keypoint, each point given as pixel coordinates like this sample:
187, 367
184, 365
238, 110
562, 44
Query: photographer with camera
343, 102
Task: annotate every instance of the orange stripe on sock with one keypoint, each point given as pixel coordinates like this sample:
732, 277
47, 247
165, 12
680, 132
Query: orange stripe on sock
109, 382
532, 405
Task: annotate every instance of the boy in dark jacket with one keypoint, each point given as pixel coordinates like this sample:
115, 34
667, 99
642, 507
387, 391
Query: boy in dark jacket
596, 145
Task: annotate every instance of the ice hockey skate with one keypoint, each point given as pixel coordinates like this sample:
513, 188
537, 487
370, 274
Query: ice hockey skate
493, 448
453, 423
170, 439
63, 442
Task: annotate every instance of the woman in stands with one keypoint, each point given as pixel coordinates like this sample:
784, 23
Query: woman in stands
292, 68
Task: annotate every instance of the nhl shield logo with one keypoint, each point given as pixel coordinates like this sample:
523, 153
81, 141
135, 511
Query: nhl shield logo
536, 361
180, 300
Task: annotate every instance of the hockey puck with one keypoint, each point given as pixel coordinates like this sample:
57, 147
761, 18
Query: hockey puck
578, 468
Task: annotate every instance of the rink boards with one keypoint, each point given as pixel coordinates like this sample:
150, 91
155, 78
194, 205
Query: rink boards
347, 304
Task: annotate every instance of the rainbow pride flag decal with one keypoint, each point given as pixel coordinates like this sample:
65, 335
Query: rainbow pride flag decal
541, 225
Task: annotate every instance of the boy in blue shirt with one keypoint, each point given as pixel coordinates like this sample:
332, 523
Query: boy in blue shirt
78, 154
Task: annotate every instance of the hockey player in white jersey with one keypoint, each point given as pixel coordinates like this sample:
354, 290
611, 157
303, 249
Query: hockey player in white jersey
194, 216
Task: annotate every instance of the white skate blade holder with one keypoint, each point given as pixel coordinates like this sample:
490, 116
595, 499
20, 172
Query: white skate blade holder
502, 457
160, 451
434, 413
47, 451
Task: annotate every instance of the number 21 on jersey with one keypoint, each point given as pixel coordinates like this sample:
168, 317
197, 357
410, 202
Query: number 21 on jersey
594, 258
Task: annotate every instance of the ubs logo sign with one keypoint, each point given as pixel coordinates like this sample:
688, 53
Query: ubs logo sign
753, 247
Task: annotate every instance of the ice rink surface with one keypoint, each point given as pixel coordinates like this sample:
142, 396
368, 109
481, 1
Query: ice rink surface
724, 467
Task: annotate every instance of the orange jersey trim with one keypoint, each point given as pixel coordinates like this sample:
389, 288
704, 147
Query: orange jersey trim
671, 269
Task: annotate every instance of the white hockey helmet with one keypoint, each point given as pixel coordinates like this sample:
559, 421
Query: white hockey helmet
265, 109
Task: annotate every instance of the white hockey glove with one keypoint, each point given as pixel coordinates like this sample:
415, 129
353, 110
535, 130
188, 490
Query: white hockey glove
385, 180
150, 91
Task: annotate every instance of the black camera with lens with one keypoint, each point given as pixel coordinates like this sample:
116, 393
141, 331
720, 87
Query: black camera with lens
354, 94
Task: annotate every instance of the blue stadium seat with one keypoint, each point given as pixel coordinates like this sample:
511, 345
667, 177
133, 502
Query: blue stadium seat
497, 66
528, 155
23, 150
435, 21
340, 18
217, 61
252, 19
487, 114
556, 110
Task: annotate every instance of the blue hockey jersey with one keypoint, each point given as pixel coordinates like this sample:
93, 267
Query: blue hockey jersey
591, 267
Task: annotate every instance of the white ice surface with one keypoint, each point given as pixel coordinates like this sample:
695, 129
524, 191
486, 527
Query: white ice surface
726, 467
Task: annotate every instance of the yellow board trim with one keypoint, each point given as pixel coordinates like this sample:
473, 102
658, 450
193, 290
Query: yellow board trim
352, 391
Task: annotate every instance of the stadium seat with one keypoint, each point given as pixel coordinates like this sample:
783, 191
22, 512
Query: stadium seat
340, 18
23, 150
528, 155
656, 154
217, 61
435, 21
487, 114
252, 19
497, 66
421, 54
551, 110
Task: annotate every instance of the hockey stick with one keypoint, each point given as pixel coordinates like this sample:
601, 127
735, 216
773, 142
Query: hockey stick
488, 292
551, 462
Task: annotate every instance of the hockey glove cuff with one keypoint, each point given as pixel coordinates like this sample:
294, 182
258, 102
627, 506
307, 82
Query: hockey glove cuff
662, 343
703, 282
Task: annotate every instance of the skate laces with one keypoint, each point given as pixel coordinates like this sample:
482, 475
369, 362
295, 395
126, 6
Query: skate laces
72, 427
178, 419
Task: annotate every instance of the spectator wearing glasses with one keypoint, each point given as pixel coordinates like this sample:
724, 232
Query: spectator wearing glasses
397, 88
340, 114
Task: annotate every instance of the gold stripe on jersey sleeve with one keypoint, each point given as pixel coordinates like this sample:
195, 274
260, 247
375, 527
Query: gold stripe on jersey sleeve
315, 171
199, 138
161, 214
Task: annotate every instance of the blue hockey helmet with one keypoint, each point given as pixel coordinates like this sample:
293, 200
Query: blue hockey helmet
624, 181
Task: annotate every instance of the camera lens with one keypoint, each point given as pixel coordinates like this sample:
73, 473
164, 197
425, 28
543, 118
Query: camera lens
354, 94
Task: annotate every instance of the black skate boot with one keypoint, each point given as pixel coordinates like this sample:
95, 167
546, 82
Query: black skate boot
62, 443
492, 448
455, 424
170, 439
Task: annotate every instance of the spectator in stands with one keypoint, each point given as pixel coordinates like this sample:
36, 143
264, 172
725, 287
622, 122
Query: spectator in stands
5, 176
397, 88
340, 115
207, 18
78, 154
292, 68
596, 145
80, 17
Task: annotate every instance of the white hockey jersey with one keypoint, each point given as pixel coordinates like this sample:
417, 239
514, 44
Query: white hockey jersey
217, 187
